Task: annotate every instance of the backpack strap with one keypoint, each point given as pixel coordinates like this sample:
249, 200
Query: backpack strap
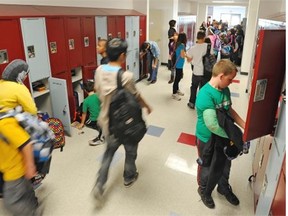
119, 78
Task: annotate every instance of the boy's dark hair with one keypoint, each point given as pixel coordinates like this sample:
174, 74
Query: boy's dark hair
172, 23
201, 35
144, 46
115, 47
207, 40
88, 86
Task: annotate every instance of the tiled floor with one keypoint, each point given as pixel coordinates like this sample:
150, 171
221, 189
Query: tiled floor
166, 162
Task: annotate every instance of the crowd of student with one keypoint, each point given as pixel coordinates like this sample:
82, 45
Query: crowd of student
213, 95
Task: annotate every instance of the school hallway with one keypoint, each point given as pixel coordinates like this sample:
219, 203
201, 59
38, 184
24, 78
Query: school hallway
166, 163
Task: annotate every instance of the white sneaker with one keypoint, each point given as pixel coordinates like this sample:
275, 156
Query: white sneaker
95, 142
180, 93
176, 97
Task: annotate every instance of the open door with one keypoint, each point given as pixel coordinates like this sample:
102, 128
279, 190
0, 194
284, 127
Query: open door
267, 82
59, 101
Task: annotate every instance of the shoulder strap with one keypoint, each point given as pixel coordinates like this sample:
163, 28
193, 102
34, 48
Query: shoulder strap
208, 49
119, 78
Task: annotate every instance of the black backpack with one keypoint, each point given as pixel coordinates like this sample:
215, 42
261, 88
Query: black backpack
125, 115
209, 61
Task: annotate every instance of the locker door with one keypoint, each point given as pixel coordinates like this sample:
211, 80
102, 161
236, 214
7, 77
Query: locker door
101, 31
11, 44
129, 32
59, 101
268, 78
88, 72
135, 33
120, 27
111, 27
56, 45
88, 38
74, 41
142, 30
35, 47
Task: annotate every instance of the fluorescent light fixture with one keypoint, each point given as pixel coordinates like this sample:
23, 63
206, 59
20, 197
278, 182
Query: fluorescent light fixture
223, 2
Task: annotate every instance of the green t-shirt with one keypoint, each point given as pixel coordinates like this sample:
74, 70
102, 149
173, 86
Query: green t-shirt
91, 104
207, 100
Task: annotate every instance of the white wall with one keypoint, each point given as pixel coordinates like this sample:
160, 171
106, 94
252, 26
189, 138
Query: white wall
269, 10
141, 6
116, 4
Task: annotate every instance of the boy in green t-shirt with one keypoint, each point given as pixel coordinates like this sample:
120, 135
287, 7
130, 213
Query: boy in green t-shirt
90, 112
215, 94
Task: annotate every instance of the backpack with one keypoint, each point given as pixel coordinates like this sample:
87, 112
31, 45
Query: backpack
40, 134
57, 128
125, 115
209, 61
217, 43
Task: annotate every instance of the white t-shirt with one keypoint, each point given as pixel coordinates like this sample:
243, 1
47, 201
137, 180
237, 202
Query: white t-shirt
196, 53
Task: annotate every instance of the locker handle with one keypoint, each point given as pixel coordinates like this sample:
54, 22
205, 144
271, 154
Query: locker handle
127, 34
134, 64
134, 33
127, 67
64, 110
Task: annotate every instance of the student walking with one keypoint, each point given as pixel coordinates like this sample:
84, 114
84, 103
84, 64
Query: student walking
105, 85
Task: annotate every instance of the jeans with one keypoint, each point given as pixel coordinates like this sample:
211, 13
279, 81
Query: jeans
217, 173
19, 197
178, 77
197, 81
154, 72
130, 158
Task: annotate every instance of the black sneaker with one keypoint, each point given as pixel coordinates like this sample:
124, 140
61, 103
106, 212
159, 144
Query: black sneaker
207, 200
230, 196
131, 182
191, 105
1, 195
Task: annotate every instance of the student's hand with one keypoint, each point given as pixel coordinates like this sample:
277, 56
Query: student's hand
80, 126
149, 109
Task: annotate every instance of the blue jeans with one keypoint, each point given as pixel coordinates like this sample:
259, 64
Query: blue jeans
130, 158
154, 72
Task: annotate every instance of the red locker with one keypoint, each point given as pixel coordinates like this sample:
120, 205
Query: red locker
111, 27
268, 78
142, 30
57, 45
74, 41
116, 27
88, 40
88, 72
120, 27
11, 43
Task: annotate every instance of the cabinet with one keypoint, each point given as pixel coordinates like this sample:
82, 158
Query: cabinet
101, 31
88, 38
132, 38
11, 43
57, 46
37, 56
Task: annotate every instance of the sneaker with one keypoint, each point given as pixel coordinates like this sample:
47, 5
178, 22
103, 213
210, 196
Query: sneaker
1, 195
153, 81
176, 97
131, 182
149, 79
230, 196
191, 105
180, 93
95, 142
207, 200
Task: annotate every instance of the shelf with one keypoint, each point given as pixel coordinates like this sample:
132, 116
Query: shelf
40, 93
76, 78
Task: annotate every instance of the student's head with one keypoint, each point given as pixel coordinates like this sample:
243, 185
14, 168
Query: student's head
117, 49
201, 35
16, 71
172, 23
182, 38
207, 40
101, 46
145, 47
88, 86
224, 71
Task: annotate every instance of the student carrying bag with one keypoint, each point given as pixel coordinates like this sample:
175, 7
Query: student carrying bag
125, 115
